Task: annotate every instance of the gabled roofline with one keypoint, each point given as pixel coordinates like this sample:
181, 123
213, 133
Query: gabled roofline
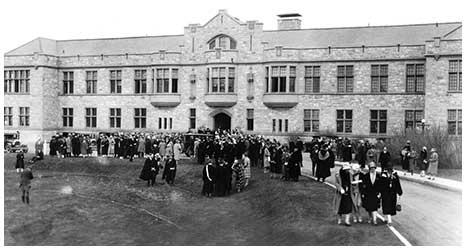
376, 26
455, 29
226, 14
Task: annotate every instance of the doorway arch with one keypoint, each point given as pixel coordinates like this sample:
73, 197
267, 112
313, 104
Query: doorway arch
222, 121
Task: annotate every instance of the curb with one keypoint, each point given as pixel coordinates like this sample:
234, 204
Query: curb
432, 184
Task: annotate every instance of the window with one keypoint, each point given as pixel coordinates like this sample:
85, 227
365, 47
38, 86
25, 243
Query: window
163, 81
279, 125
344, 121
286, 125
160, 122
68, 82
345, 79
8, 116
140, 118
140, 85
115, 81
415, 78
278, 79
312, 79
378, 122
91, 117
413, 118
379, 78
192, 118
171, 123
292, 79
91, 82
115, 118
454, 122
250, 119
67, 117
24, 116
311, 120
267, 75
174, 80
222, 41
273, 125
222, 79
455, 75
16, 81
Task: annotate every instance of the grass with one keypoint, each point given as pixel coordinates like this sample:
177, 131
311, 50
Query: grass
268, 212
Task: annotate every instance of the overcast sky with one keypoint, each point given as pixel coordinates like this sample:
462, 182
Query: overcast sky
24, 20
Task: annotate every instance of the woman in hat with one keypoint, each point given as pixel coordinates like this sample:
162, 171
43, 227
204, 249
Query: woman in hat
389, 188
356, 176
343, 203
433, 164
323, 164
384, 159
370, 192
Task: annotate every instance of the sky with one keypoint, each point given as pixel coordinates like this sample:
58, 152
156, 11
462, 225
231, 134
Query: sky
25, 20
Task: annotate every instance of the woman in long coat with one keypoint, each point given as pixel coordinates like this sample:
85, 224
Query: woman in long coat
266, 159
169, 172
323, 165
370, 192
247, 169
433, 165
238, 173
146, 173
111, 146
83, 146
208, 178
141, 146
424, 161
389, 188
19, 161
342, 203
384, 159
356, 181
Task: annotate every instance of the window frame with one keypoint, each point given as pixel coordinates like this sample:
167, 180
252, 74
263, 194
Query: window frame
90, 116
378, 121
8, 116
312, 119
67, 117
140, 116
312, 79
457, 73
379, 78
345, 121
346, 79
115, 81
115, 117
140, 81
417, 77
457, 122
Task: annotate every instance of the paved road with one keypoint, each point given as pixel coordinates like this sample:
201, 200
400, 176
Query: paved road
429, 216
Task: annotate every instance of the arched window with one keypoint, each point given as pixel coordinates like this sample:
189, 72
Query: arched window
222, 41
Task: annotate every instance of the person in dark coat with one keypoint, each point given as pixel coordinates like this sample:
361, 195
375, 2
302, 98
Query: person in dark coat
370, 192
75, 144
19, 161
390, 187
347, 151
221, 177
53, 146
406, 156
25, 184
343, 202
424, 157
145, 172
169, 172
323, 164
208, 178
362, 149
295, 163
384, 159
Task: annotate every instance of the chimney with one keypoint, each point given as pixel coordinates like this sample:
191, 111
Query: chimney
289, 21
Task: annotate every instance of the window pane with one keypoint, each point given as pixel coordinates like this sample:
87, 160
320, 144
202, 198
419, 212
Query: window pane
384, 70
349, 114
348, 126
452, 115
315, 114
373, 127
341, 71
375, 70
340, 126
383, 114
307, 114
339, 114
374, 115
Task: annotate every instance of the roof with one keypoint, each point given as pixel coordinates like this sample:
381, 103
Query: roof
289, 15
106, 46
415, 34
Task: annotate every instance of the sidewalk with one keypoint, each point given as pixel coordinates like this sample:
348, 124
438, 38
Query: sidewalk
442, 183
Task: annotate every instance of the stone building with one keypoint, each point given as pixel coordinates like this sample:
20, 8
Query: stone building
352, 81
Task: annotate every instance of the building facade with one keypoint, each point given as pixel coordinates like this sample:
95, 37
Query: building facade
354, 82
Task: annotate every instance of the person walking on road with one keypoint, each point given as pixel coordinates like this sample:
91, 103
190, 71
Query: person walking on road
370, 192
433, 165
247, 169
389, 188
356, 181
342, 202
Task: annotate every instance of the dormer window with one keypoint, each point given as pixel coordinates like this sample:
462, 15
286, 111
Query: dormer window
222, 41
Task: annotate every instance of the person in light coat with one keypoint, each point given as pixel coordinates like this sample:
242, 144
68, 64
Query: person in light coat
342, 202
177, 151
432, 171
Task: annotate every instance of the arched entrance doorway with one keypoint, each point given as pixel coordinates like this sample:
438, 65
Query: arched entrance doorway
222, 121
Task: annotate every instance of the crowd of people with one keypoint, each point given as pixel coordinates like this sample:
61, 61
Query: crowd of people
228, 156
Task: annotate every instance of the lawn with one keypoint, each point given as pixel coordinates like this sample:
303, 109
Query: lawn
100, 201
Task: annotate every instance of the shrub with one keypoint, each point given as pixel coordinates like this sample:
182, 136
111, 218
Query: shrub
448, 147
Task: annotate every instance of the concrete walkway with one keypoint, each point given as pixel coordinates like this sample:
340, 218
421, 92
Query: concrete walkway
442, 183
